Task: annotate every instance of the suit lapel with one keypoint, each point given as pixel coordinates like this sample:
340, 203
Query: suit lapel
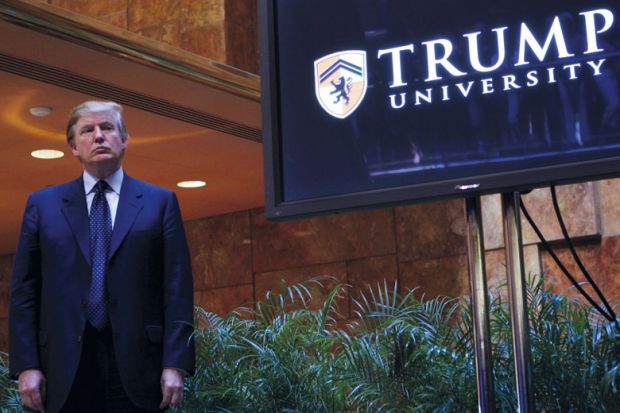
76, 214
130, 204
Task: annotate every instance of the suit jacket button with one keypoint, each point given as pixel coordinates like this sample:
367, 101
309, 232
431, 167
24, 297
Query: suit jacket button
79, 338
83, 303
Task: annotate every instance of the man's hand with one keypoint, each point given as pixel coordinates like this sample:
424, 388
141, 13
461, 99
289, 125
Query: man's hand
32, 389
171, 387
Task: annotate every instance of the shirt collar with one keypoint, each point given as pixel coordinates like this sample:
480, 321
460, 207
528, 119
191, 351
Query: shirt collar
115, 181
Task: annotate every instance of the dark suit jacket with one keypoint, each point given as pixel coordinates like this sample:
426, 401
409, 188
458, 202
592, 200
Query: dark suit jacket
149, 285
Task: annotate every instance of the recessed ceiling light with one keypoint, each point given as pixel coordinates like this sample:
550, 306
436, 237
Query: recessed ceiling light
191, 184
47, 154
40, 111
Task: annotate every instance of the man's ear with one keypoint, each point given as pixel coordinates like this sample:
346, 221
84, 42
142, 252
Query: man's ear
73, 147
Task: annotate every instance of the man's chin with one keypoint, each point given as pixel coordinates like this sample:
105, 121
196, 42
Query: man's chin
102, 165
102, 157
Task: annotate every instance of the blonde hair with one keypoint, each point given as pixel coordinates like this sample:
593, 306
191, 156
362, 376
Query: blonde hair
93, 106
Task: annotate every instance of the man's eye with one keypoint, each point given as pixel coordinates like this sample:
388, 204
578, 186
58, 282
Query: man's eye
107, 127
87, 130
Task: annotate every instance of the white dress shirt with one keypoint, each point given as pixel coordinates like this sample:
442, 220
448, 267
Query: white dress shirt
112, 194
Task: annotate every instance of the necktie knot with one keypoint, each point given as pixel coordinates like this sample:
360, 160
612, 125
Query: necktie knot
101, 186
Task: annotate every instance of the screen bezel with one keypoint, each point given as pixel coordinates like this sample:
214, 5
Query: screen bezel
277, 209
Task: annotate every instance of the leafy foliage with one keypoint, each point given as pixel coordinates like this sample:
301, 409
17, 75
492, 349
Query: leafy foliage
9, 396
277, 358
575, 355
400, 353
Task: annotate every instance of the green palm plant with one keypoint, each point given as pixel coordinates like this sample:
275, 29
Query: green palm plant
9, 395
404, 354
400, 353
275, 358
575, 354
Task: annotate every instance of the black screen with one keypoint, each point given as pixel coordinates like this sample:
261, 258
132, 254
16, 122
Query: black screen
378, 94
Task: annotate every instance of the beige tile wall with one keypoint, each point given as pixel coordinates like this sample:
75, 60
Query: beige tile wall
222, 30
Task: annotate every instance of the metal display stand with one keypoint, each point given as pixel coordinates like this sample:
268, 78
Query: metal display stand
518, 302
480, 306
517, 299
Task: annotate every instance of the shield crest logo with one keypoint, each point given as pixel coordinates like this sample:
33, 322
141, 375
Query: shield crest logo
340, 82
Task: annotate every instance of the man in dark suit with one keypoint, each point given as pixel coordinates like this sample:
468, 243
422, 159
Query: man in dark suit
101, 295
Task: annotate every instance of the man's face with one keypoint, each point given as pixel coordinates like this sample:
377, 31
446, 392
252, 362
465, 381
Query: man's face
97, 141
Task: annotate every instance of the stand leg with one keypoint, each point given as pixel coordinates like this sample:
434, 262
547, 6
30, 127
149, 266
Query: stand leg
480, 306
518, 302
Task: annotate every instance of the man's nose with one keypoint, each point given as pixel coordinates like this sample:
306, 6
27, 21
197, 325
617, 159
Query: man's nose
98, 134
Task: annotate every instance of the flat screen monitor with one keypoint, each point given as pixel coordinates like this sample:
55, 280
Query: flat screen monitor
381, 102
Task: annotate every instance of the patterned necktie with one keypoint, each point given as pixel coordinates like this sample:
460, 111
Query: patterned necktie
100, 236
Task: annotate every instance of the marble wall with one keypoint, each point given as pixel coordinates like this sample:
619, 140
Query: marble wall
242, 255
221, 30
6, 262
238, 257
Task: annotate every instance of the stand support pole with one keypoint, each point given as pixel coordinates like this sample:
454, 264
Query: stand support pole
518, 301
480, 306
